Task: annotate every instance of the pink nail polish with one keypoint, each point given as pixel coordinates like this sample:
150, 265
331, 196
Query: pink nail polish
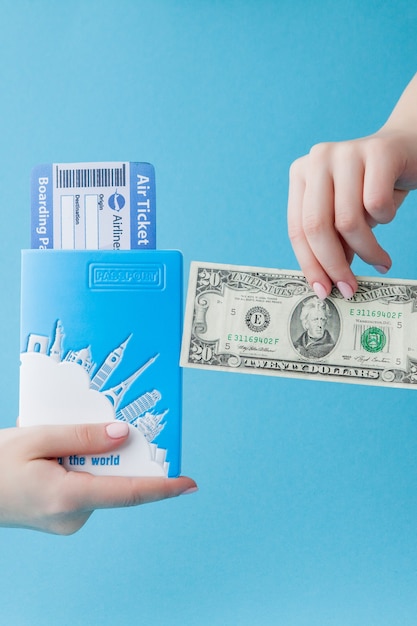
345, 289
320, 291
190, 490
118, 429
382, 269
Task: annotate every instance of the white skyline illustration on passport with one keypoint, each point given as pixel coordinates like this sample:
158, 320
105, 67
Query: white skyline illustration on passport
140, 413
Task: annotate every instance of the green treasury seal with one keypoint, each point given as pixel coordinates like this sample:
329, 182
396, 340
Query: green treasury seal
373, 339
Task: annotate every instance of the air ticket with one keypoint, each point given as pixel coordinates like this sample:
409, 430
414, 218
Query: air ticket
93, 206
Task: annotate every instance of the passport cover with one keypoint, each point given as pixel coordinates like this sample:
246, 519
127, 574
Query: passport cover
100, 341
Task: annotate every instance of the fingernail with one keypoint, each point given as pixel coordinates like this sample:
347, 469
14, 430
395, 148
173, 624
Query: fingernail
189, 490
320, 291
382, 269
116, 430
345, 289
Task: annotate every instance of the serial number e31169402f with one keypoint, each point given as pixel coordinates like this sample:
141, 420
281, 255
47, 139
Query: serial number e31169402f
252, 339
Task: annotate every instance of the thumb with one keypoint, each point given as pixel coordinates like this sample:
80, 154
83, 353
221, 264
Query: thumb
63, 440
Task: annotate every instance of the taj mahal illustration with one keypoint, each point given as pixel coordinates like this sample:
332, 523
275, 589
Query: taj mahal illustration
139, 413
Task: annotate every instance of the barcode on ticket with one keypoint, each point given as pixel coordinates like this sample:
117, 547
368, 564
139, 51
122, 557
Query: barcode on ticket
68, 178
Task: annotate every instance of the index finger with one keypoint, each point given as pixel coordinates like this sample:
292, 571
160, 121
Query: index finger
307, 260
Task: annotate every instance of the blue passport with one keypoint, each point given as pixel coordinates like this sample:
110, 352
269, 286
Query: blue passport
100, 341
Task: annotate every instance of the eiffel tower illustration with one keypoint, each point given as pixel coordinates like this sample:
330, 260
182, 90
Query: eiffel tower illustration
116, 393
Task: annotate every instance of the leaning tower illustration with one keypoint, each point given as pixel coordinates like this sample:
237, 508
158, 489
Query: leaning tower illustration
107, 368
132, 411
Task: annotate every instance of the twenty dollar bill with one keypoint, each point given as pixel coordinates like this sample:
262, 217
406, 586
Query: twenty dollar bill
268, 321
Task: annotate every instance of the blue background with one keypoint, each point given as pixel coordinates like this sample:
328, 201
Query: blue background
307, 510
